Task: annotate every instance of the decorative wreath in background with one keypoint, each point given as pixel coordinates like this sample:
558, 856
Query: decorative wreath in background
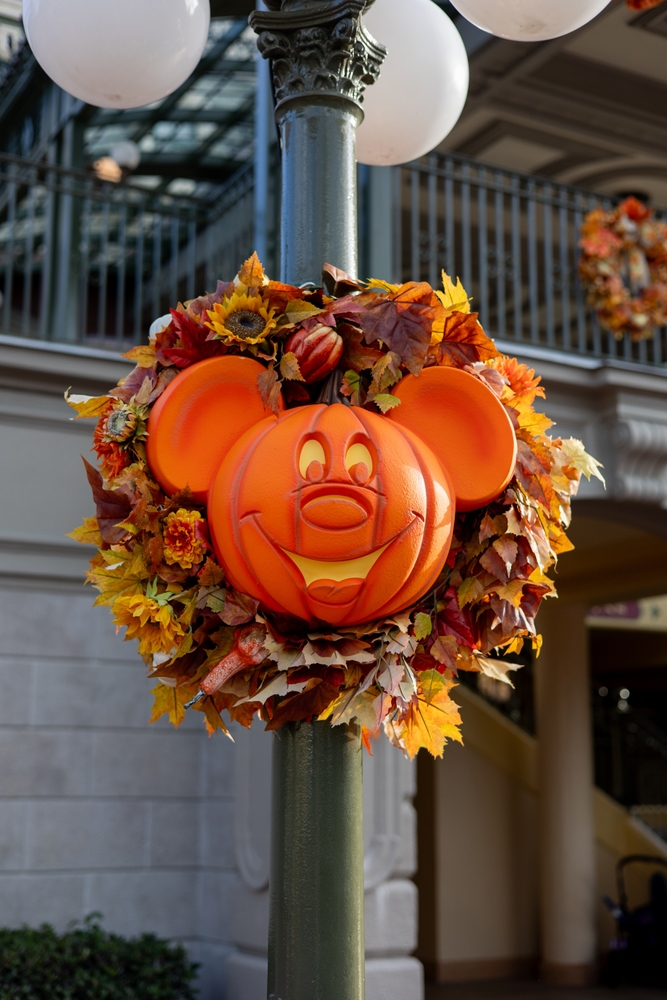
623, 267
218, 650
643, 4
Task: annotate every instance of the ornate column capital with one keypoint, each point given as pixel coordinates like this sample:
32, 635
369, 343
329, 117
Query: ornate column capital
318, 48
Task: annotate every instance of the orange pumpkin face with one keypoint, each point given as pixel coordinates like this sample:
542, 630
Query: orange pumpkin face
333, 514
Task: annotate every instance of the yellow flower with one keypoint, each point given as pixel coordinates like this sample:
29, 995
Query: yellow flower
151, 622
182, 543
243, 318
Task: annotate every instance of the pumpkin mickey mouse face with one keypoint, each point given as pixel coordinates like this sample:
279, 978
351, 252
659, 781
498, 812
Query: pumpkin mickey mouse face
333, 514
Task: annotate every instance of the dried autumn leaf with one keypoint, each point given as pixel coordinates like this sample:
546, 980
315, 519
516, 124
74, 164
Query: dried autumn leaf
497, 669
423, 625
87, 406
432, 718
239, 608
454, 296
170, 701
211, 574
470, 590
193, 344
289, 367
580, 459
445, 650
214, 720
308, 705
385, 402
337, 282
118, 573
351, 386
464, 342
252, 273
403, 321
143, 355
356, 355
88, 533
269, 389
113, 507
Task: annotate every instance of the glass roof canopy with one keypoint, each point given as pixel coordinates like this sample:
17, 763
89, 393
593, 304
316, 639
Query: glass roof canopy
196, 138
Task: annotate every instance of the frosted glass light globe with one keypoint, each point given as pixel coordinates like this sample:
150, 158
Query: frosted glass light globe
529, 20
423, 82
117, 53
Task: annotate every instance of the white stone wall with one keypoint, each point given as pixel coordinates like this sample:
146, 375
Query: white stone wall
99, 811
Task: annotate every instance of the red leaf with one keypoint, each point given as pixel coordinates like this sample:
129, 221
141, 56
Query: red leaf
194, 345
239, 608
356, 355
451, 620
112, 507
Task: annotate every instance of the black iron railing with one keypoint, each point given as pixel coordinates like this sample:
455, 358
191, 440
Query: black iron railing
513, 240
94, 263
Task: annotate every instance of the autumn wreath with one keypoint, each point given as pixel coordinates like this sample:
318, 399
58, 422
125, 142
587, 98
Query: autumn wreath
643, 4
209, 646
624, 268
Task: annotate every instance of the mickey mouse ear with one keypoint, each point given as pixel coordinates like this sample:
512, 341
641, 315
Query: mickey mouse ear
198, 418
464, 423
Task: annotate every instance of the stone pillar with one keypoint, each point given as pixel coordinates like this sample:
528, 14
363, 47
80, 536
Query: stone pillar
567, 838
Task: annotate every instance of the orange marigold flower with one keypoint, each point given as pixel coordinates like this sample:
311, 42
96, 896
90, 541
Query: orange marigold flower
522, 380
151, 622
183, 542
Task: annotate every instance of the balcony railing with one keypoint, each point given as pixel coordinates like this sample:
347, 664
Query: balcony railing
94, 263
513, 240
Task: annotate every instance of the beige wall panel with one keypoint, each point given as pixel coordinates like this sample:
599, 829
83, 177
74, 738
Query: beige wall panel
486, 853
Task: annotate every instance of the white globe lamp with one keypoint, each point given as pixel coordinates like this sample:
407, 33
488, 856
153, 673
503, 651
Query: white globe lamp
423, 82
529, 20
117, 53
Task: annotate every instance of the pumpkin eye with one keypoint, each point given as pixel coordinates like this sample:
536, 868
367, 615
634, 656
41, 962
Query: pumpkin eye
312, 451
358, 454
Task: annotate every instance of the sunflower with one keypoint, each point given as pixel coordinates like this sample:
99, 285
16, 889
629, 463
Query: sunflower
242, 317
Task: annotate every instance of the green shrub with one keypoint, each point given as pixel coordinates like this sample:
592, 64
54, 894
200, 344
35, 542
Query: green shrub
88, 963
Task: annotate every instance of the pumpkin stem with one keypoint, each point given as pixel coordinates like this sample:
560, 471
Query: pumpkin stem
330, 392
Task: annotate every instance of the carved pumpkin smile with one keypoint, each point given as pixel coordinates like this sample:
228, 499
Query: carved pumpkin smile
332, 514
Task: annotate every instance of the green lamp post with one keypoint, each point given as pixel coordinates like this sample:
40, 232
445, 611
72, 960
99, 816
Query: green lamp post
322, 60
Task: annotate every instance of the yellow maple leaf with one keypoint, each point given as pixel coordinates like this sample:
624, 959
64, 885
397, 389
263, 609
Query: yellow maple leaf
170, 701
454, 296
432, 717
512, 592
87, 406
144, 355
384, 286
118, 573
87, 533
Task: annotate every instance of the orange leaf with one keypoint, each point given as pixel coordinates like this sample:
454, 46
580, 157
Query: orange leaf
252, 273
464, 342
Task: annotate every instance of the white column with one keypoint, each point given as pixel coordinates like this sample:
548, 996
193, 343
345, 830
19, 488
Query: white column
567, 838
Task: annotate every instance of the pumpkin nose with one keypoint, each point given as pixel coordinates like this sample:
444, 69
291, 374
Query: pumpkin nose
334, 512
